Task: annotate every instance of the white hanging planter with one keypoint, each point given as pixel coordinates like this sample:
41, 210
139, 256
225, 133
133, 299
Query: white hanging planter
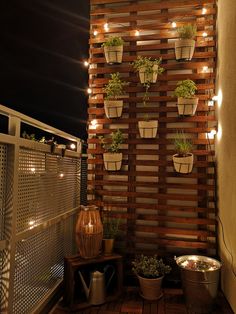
112, 161
113, 108
183, 164
187, 106
113, 54
148, 77
184, 49
148, 129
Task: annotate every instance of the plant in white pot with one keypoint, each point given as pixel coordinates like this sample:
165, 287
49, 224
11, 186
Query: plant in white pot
150, 272
185, 45
113, 49
148, 69
112, 157
114, 89
183, 159
187, 101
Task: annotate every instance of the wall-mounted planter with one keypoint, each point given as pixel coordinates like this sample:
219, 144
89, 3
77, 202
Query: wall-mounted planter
187, 106
183, 164
150, 77
113, 108
184, 49
113, 54
112, 161
148, 129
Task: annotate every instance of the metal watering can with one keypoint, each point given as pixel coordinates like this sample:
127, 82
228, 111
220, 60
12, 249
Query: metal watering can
96, 293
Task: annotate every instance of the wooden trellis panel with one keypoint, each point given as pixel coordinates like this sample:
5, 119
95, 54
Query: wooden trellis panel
162, 211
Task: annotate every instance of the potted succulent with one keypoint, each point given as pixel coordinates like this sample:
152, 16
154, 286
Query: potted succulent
187, 102
110, 231
113, 48
114, 89
184, 46
150, 272
147, 128
183, 159
112, 157
148, 69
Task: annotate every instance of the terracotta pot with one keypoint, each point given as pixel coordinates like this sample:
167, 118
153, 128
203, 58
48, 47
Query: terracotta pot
150, 289
187, 106
108, 245
184, 49
113, 54
148, 129
148, 77
113, 108
183, 164
112, 161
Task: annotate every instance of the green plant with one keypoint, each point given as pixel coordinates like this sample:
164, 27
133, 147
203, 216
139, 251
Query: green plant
113, 41
110, 227
150, 267
182, 145
117, 139
188, 31
115, 86
185, 89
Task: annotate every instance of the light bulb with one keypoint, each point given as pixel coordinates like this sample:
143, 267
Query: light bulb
86, 64
95, 33
136, 33
204, 34
204, 10
106, 27
72, 146
173, 24
215, 98
205, 68
89, 91
61, 175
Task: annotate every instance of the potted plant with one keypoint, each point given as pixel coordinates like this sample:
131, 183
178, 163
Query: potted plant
112, 157
148, 69
110, 231
147, 128
150, 272
184, 46
113, 48
187, 102
114, 89
183, 159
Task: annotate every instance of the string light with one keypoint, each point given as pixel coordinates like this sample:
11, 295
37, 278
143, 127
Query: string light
210, 103
89, 91
204, 10
95, 33
211, 135
86, 64
93, 124
204, 34
173, 24
106, 27
61, 175
136, 33
215, 98
72, 146
205, 68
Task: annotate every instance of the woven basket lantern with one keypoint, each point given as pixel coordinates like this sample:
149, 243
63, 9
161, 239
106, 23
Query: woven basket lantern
89, 232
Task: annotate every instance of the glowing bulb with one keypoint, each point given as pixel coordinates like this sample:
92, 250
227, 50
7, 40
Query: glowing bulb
93, 124
106, 27
215, 98
86, 64
210, 103
32, 169
61, 175
95, 33
204, 34
205, 68
89, 91
204, 10
211, 134
31, 222
72, 146
136, 33
173, 24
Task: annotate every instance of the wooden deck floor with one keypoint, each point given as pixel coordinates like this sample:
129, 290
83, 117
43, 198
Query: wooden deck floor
131, 303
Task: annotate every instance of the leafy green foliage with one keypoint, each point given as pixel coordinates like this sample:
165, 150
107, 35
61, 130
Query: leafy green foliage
148, 64
185, 89
150, 267
113, 41
115, 86
188, 31
182, 145
117, 139
110, 227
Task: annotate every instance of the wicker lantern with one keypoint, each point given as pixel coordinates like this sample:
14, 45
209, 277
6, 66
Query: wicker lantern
89, 232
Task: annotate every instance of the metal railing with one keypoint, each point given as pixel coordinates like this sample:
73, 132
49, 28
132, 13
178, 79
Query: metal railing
40, 193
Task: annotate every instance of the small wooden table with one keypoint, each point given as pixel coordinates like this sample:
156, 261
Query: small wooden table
74, 297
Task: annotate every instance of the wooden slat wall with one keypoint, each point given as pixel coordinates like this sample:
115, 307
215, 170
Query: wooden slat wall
162, 211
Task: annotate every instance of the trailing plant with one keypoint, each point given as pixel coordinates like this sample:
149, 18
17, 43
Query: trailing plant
113, 41
150, 267
115, 86
117, 139
188, 31
146, 62
183, 146
110, 227
185, 89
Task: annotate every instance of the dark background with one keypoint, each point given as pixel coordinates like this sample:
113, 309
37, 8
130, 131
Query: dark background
42, 48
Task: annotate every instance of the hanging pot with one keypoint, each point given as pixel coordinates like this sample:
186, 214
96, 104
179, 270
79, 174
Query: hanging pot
183, 164
187, 106
146, 77
113, 54
184, 49
148, 129
113, 108
112, 161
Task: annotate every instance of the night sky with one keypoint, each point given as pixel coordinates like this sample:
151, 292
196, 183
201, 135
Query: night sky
42, 46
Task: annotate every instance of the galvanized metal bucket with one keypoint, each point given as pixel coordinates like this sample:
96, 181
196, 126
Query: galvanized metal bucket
200, 280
